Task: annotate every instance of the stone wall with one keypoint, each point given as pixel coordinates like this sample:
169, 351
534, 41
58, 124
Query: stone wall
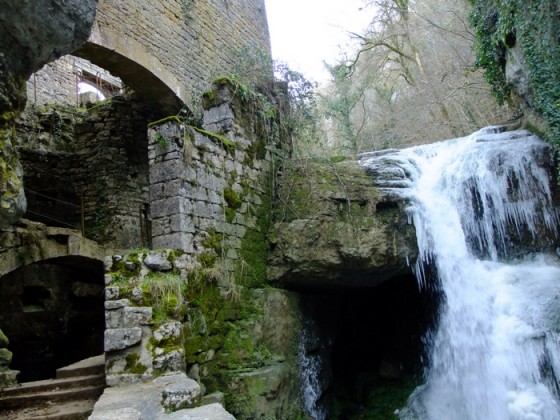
208, 187
88, 170
38, 32
197, 40
166, 312
194, 41
57, 82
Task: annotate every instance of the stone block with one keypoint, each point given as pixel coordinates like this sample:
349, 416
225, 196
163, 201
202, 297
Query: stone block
121, 338
176, 240
114, 318
135, 316
179, 391
165, 207
182, 223
170, 361
168, 330
166, 171
8, 377
116, 304
158, 261
112, 292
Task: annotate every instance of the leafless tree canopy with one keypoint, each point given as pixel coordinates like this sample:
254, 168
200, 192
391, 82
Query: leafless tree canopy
411, 82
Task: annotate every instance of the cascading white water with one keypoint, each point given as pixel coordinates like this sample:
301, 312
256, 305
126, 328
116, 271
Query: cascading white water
495, 352
312, 367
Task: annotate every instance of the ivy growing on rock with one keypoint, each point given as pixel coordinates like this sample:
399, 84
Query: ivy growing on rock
533, 26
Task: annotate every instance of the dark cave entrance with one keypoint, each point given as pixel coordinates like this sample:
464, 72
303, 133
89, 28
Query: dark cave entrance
367, 346
52, 312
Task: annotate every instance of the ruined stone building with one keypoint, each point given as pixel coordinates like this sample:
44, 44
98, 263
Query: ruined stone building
149, 218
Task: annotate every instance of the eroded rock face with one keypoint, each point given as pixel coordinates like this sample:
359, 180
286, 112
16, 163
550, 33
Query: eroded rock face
33, 33
336, 230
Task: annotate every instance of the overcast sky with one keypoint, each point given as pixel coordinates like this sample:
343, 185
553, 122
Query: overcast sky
304, 33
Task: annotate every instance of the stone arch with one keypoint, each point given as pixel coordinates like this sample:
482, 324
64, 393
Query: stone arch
34, 242
137, 67
53, 314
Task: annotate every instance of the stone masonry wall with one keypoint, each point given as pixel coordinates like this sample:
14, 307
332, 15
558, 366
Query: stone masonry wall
207, 184
196, 41
57, 82
95, 161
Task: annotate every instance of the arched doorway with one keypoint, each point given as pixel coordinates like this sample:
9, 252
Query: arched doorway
52, 312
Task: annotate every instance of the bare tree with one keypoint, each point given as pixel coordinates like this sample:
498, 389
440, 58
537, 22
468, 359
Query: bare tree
413, 79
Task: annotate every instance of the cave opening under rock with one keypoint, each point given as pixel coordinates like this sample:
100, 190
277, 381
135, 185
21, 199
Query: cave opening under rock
53, 314
366, 347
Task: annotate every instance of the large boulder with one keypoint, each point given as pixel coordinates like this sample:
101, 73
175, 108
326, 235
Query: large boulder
335, 229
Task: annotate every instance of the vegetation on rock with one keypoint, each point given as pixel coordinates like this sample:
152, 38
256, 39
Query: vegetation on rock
535, 28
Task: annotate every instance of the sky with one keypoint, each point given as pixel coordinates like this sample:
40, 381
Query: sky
304, 33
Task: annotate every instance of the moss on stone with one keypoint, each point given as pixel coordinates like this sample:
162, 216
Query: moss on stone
133, 365
226, 143
173, 118
3, 339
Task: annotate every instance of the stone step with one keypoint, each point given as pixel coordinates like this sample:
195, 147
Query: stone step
91, 366
41, 399
52, 385
74, 410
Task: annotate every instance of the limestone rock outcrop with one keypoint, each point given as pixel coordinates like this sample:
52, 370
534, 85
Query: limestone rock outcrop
33, 33
335, 229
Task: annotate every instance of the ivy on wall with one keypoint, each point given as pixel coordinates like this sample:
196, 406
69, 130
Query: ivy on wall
534, 26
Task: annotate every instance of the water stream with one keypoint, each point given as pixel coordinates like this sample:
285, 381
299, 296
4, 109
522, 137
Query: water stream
483, 211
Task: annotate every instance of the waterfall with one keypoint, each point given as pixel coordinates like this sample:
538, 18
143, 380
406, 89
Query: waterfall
477, 203
313, 370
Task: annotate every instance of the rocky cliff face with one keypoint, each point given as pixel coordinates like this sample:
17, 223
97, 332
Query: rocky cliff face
34, 33
335, 229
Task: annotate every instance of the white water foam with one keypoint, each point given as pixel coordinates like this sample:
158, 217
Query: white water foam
495, 352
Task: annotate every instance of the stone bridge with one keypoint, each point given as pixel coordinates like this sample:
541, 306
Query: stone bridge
30, 242
166, 51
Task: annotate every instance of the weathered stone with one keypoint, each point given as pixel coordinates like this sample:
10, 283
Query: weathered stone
214, 411
179, 391
108, 279
158, 261
170, 361
134, 316
116, 304
121, 338
112, 292
340, 231
114, 318
5, 358
137, 295
127, 413
130, 266
214, 397
38, 32
167, 331
8, 377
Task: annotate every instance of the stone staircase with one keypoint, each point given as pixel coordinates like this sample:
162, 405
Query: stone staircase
70, 396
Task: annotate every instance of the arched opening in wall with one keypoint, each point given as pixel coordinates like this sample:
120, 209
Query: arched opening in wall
96, 87
53, 314
74, 81
362, 351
